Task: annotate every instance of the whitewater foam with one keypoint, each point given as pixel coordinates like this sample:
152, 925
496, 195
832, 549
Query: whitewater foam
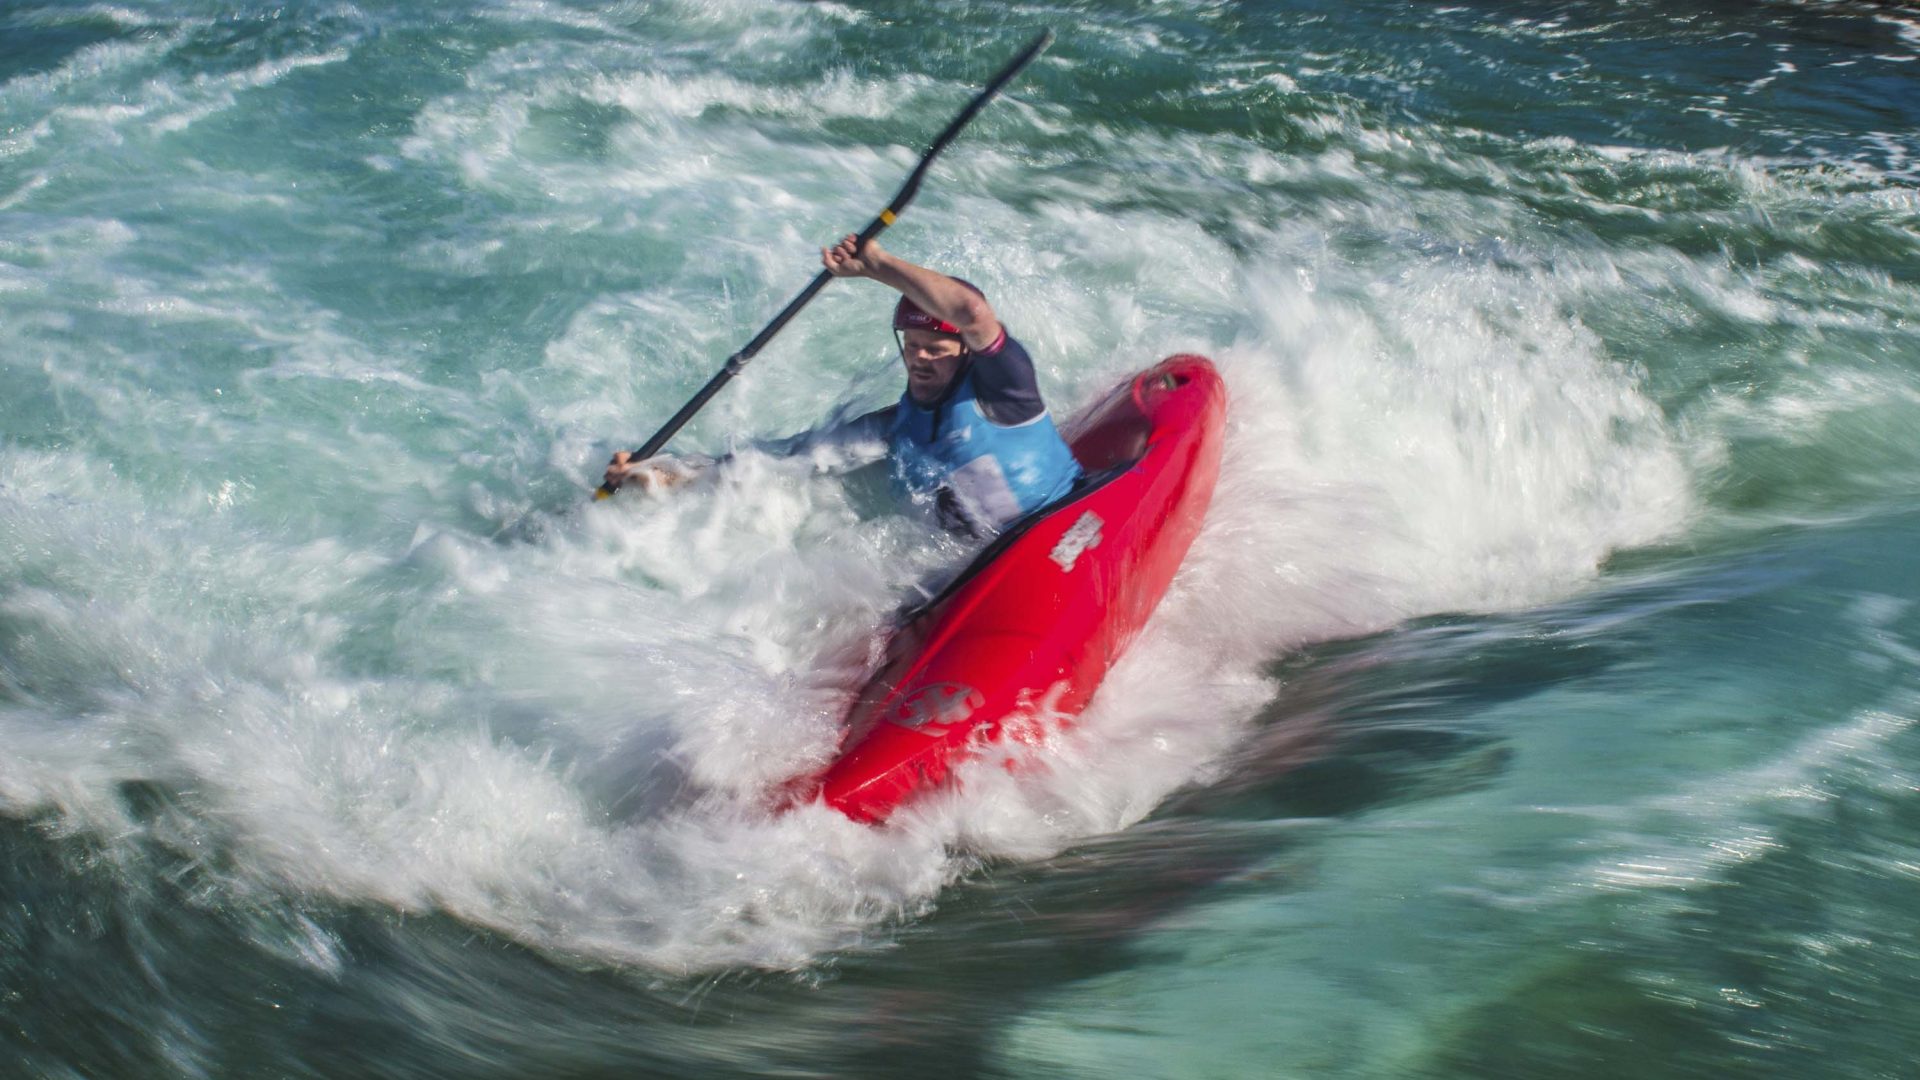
400, 692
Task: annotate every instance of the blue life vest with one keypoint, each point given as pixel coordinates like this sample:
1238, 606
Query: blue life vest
951, 454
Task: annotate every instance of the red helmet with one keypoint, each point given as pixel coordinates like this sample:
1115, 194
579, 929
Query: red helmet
908, 315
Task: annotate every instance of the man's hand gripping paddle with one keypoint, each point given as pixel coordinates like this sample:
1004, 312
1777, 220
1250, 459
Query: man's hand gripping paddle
887, 217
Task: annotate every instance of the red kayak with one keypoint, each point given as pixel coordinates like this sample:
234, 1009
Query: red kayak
1023, 636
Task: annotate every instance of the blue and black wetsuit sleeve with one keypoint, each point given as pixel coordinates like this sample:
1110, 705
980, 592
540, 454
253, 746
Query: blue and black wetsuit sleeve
1004, 383
836, 447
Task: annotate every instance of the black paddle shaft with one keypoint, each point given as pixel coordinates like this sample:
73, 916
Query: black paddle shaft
886, 217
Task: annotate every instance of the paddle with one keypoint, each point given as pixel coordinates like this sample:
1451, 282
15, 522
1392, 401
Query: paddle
887, 217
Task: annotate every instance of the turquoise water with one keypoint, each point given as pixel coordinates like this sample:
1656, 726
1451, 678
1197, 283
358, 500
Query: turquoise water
1539, 700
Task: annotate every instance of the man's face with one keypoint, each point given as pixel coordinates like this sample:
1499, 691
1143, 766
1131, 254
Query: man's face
932, 360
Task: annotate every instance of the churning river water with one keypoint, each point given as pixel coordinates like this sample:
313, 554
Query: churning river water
1539, 700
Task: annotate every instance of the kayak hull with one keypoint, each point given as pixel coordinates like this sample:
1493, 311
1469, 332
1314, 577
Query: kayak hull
1018, 643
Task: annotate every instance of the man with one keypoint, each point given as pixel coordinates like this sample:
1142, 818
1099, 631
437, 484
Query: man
969, 437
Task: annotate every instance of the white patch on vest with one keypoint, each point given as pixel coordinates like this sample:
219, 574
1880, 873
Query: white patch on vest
983, 488
1084, 534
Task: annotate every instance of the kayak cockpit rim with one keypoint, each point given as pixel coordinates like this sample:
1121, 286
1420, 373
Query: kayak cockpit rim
1086, 485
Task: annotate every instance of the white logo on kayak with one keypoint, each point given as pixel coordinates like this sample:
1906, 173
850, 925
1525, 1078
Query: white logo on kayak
1084, 534
935, 707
